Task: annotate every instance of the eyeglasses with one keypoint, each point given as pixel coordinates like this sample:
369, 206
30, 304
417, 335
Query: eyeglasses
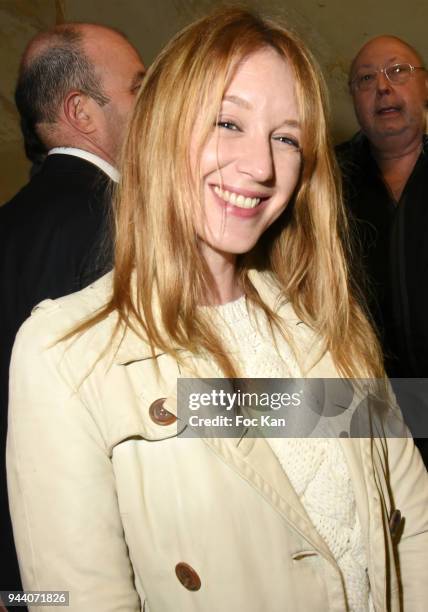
398, 74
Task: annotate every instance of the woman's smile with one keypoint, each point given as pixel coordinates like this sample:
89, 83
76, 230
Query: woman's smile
237, 198
236, 202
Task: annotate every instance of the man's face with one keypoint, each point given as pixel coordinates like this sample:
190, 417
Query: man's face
389, 110
121, 72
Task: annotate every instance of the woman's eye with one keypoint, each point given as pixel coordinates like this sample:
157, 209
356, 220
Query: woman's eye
288, 141
228, 125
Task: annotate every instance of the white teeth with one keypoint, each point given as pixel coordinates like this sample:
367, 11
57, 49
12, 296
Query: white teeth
236, 199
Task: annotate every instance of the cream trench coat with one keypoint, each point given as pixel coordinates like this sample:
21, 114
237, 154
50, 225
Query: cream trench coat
106, 503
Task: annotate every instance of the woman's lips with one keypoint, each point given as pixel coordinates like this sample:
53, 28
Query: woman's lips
239, 202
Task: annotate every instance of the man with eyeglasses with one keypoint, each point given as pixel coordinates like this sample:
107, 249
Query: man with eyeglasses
385, 172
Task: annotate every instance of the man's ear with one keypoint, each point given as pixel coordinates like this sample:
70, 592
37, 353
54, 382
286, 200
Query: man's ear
78, 112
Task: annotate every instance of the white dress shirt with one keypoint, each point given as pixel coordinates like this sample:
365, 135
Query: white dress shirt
101, 163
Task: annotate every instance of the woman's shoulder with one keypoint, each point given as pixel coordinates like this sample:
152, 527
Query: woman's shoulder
58, 317
47, 335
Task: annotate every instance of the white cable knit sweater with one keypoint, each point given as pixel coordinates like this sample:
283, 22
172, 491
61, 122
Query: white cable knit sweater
315, 467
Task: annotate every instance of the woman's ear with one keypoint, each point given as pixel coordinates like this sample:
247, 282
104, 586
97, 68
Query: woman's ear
78, 113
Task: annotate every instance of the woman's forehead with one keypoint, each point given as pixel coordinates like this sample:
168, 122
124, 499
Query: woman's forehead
263, 81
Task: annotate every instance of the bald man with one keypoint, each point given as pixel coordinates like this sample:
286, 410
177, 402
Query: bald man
385, 168
76, 87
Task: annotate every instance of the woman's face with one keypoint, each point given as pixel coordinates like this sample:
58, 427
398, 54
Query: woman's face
251, 163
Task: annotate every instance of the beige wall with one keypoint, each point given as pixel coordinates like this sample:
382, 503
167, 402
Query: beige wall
334, 29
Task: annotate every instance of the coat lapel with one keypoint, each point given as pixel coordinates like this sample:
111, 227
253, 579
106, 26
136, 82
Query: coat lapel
254, 460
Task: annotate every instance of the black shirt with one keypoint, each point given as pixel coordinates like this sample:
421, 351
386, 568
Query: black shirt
392, 239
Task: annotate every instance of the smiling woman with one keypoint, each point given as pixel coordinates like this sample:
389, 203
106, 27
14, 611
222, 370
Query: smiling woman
250, 164
230, 260
195, 98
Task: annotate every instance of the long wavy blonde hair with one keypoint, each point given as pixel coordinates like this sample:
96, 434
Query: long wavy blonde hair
160, 278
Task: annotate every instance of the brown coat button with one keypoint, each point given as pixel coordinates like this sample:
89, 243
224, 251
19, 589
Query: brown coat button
187, 576
159, 414
395, 523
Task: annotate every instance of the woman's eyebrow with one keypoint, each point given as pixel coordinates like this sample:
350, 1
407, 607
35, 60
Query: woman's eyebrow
245, 104
292, 123
239, 101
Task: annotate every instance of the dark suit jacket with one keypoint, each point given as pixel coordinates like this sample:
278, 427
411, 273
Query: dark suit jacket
391, 243
53, 241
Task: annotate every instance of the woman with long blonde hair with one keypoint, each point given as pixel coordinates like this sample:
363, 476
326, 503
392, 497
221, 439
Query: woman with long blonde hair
230, 261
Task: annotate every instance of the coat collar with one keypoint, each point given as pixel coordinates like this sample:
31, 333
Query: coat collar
130, 346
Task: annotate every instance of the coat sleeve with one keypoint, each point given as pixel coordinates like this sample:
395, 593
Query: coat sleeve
409, 484
63, 501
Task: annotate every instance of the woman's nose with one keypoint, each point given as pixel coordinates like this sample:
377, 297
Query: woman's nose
256, 160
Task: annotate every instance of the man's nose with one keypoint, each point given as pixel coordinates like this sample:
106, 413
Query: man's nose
256, 160
383, 84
